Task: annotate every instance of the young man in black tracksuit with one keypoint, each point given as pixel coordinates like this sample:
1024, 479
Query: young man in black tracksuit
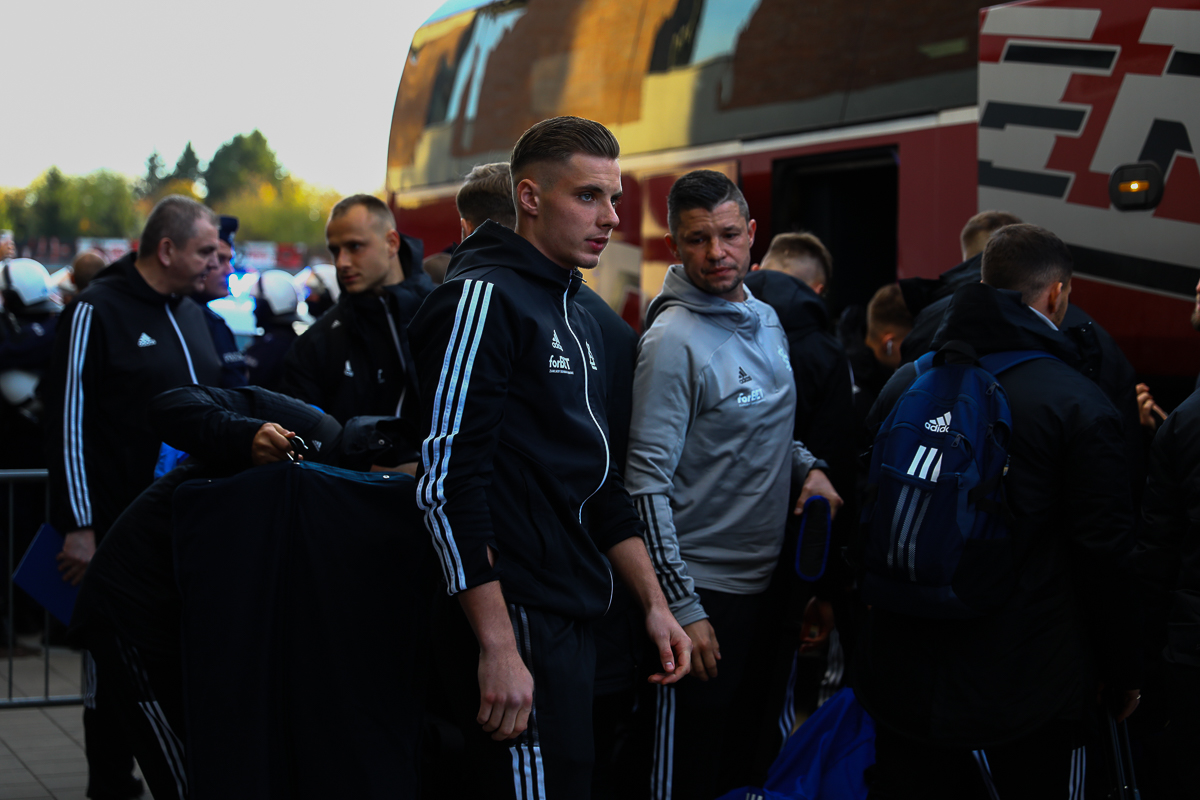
355, 359
132, 334
512, 382
1007, 698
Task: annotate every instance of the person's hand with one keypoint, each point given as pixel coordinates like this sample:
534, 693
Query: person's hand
817, 624
706, 651
8, 249
505, 693
1147, 408
78, 548
1124, 703
817, 483
674, 646
272, 443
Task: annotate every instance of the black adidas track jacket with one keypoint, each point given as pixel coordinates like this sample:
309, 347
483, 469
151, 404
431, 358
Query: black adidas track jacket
118, 345
512, 379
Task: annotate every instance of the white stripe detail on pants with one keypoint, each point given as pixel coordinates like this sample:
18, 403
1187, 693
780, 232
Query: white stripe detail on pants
1078, 773
664, 745
787, 717
451, 393
529, 774
835, 669
186, 353
76, 469
985, 772
168, 741
89, 680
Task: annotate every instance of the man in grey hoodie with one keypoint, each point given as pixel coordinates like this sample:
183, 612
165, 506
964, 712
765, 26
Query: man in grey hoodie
711, 462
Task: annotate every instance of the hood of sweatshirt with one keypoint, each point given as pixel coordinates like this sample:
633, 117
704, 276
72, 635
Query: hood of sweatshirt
801, 310
678, 290
493, 245
995, 320
123, 276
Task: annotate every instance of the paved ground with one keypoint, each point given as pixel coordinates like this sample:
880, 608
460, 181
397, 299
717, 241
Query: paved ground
41, 749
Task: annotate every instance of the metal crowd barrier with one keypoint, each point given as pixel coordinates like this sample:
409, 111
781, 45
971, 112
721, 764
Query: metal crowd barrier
9, 480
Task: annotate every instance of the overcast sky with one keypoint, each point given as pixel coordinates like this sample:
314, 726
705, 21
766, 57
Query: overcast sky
100, 85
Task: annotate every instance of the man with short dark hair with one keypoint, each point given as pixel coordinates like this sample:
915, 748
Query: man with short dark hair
486, 194
132, 334
1002, 702
355, 360
711, 464
216, 286
518, 453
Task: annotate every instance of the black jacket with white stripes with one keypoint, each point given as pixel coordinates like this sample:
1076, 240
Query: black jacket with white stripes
512, 377
118, 345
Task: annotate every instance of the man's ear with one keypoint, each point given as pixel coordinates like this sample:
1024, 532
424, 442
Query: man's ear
753, 226
465, 227
166, 250
755, 267
393, 242
528, 197
670, 240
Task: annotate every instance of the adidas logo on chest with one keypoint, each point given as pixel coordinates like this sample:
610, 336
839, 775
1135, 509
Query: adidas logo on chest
940, 424
146, 340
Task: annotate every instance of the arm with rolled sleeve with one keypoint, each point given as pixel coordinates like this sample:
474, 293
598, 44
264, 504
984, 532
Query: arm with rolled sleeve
666, 390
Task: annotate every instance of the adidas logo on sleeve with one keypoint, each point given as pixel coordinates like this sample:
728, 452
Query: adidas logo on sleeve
145, 340
939, 425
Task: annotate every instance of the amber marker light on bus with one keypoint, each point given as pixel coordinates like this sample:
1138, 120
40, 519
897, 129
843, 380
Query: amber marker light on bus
1136, 187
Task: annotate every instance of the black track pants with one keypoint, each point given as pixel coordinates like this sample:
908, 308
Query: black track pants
146, 694
552, 760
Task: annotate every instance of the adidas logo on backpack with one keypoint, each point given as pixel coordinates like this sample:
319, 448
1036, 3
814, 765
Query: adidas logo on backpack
935, 526
940, 424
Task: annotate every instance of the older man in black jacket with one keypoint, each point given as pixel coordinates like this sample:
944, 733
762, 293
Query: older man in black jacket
1002, 702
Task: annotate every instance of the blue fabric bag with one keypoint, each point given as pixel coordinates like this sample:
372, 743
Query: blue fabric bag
824, 759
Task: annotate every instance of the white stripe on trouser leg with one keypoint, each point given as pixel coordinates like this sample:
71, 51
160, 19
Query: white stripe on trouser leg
529, 773
985, 772
1078, 773
89, 680
168, 742
787, 717
664, 745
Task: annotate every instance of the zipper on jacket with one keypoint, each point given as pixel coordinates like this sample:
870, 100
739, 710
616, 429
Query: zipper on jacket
583, 366
182, 343
399, 354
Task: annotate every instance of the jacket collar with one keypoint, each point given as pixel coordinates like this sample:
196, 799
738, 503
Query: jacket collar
123, 275
494, 245
995, 320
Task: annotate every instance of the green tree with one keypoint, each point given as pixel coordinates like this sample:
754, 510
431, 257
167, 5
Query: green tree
188, 166
155, 172
106, 205
293, 211
242, 161
51, 202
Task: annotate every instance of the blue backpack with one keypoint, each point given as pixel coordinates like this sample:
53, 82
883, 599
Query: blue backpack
936, 525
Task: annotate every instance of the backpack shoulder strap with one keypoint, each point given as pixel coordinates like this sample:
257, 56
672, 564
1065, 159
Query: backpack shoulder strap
999, 362
924, 363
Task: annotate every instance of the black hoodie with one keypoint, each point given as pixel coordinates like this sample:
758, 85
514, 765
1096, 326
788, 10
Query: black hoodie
355, 359
512, 371
118, 345
969, 684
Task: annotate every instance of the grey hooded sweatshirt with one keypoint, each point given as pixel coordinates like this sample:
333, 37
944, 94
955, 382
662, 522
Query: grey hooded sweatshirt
711, 455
